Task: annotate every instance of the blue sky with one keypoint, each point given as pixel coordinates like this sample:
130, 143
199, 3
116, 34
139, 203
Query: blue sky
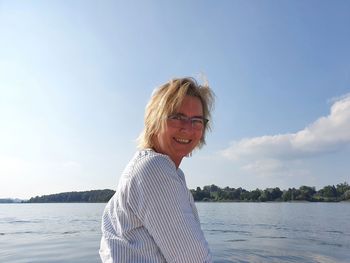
75, 77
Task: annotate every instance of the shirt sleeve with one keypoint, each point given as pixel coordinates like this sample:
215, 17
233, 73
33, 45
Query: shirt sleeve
160, 200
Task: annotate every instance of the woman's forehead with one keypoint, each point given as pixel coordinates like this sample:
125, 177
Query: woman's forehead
190, 106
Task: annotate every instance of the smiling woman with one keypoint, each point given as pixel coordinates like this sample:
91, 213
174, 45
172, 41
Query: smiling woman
166, 102
152, 216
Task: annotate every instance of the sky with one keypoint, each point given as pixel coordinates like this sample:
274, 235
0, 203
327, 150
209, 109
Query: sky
75, 77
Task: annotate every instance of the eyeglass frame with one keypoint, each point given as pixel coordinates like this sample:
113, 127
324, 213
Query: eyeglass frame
183, 119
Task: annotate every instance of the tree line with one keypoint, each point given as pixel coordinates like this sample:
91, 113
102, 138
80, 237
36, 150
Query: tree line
329, 193
7, 200
93, 196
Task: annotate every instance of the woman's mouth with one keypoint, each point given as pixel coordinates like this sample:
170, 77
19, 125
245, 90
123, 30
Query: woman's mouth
182, 141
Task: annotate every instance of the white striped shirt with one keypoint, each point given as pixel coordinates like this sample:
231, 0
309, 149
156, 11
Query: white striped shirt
152, 216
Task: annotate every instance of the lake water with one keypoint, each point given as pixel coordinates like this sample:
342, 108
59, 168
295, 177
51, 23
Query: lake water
236, 232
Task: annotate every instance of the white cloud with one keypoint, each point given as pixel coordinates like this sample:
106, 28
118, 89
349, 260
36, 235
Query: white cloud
269, 153
73, 165
264, 167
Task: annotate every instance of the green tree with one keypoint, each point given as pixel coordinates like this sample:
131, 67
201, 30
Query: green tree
306, 192
329, 192
255, 194
276, 193
341, 190
245, 195
347, 195
287, 195
200, 195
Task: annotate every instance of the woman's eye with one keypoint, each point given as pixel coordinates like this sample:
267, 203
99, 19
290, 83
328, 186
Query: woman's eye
197, 121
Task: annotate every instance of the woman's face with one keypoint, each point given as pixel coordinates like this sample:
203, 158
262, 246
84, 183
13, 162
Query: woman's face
179, 141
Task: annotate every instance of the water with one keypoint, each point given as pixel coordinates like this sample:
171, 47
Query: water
277, 232
50, 232
236, 232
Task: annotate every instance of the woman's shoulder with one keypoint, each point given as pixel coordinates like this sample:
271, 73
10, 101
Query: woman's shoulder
150, 158
147, 163
151, 169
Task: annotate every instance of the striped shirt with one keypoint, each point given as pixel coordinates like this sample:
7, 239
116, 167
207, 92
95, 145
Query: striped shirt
152, 216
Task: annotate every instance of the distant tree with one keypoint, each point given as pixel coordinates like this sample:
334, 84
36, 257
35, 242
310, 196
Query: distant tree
265, 195
329, 192
342, 188
287, 195
199, 194
276, 194
85, 196
262, 197
211, 188
6, 200
296, 195
347, 195
271, 194
306, 193
223, 195
236, 194
245, 195
255, 194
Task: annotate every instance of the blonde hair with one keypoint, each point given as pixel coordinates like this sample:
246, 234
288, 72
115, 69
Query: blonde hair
166, 100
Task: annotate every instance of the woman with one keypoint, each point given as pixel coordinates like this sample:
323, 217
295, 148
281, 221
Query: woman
152, 216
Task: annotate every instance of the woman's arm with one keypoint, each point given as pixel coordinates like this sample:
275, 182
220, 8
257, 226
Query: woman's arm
160, 200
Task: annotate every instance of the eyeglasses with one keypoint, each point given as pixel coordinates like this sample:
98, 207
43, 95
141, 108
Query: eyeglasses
179, 120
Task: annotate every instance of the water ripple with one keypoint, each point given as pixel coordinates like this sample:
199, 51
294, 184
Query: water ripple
324, 243
236, 240
229, 231
272, 237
